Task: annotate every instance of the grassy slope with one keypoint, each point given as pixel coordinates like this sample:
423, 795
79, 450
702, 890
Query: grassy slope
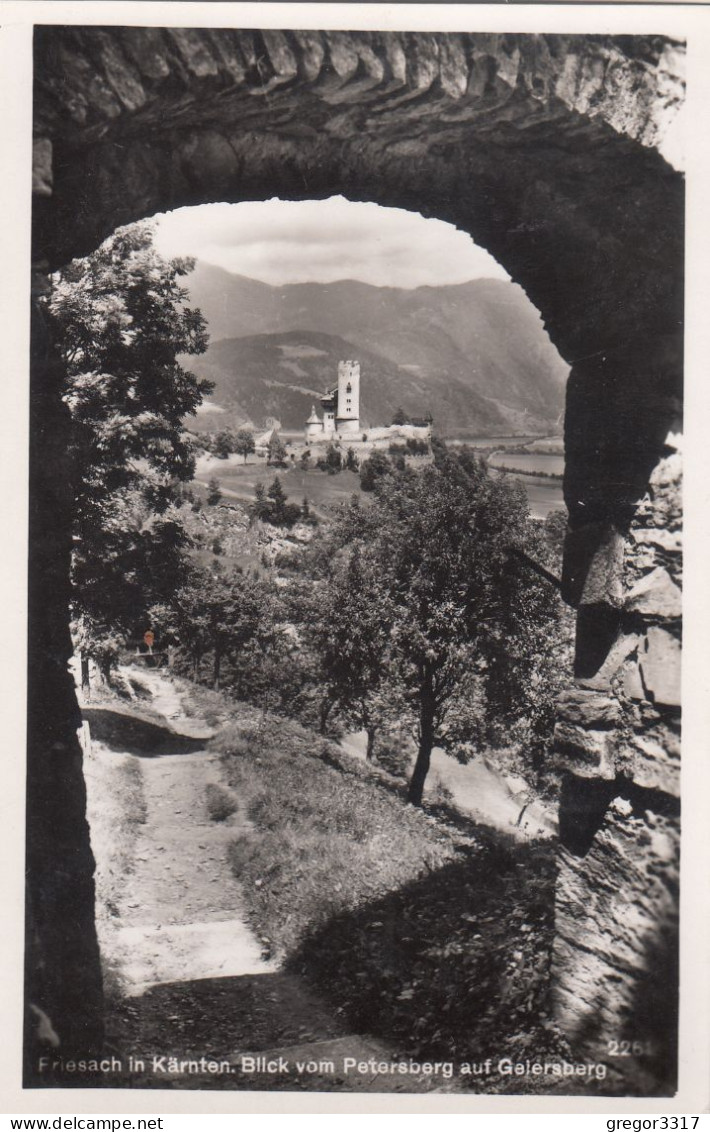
321, 489
418, 930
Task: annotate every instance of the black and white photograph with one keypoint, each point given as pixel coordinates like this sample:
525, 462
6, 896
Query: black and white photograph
356, 384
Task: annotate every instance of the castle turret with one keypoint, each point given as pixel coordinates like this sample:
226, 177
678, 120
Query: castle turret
347, 419
314, 427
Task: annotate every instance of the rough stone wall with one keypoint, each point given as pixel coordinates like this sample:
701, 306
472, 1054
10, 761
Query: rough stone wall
64, 988
541, 147
618, 736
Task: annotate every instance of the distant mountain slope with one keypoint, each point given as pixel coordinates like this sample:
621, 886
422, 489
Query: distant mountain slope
475, 353
282, 375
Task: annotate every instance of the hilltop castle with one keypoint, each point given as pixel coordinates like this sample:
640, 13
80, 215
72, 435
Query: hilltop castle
341, 407
341, 416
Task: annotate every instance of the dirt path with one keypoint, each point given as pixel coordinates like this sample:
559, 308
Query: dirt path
186, 976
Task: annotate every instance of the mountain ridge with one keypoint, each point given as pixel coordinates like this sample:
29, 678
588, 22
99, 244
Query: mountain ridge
478, 350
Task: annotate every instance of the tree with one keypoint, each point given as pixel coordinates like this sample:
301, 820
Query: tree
352, 464
348, 632
306, 459
276, 454
244, 443
278, 498
331, 461
214, 492
281, 513
307, 516
463, 624
214, 615
121, 323
224, 444
272, 505
261, 506
227, 627
372, 469
400, 417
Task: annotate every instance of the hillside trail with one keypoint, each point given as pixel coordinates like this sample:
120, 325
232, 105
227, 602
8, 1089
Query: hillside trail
186, 976
475, 789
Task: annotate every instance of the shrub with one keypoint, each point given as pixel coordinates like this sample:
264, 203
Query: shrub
221, 804
214, 493
331, 461
372, 469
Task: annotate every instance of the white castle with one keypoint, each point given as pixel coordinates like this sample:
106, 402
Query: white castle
341, 407
341, 416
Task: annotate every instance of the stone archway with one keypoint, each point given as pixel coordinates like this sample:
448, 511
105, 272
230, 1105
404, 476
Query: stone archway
540, 147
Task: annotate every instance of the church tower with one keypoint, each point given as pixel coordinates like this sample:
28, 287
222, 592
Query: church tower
347, 422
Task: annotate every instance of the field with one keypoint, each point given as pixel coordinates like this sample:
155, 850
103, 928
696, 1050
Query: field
529, 462
543, 495
543, 491
238, 481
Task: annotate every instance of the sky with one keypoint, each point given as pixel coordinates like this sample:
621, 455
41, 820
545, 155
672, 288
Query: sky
321, 241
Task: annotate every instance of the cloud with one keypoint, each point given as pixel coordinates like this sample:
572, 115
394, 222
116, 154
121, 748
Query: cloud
322, 241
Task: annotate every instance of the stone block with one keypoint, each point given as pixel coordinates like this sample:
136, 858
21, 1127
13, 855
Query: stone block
121, 76
631, 683
640, 560
194, 52
593, 565
454, 67
615, 952
656, 595
312, 53
655, 765
588, 708
660, 667
670, 542
147, 49
586, 753
668, 472
622, 648
280, 54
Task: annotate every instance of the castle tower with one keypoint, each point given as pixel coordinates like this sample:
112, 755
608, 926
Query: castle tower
347, 420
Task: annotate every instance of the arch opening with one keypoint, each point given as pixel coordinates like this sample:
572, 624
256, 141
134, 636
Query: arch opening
516, 141
440, 321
